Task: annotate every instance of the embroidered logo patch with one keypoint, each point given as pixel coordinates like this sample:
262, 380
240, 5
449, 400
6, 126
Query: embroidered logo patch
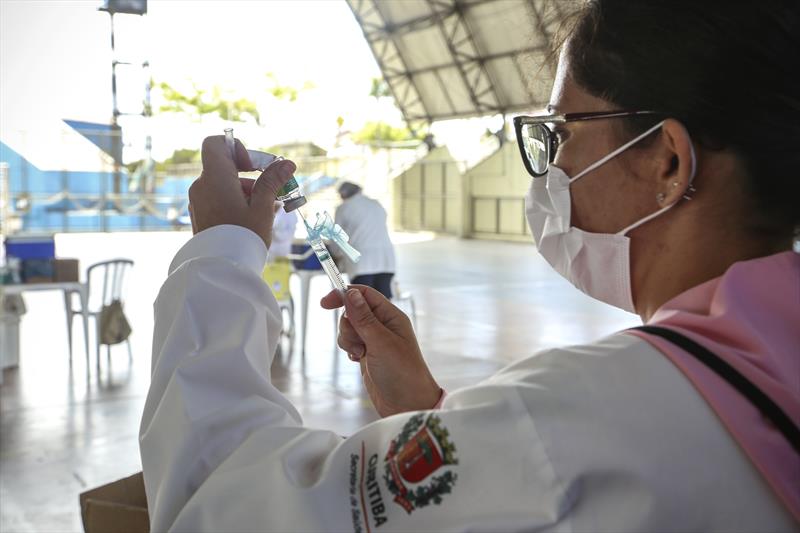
416, 465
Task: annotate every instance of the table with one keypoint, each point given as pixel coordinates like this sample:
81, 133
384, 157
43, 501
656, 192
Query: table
68, 288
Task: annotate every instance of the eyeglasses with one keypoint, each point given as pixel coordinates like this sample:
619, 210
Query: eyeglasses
538, 143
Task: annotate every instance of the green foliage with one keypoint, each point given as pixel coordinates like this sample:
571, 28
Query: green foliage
181, 156
285, 92
205, 102
379, 89
427, 494
201, 101
382, 132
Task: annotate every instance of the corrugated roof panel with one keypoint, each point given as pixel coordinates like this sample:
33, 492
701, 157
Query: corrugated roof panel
400, 12
424, 48
442, 92
514, 87
445, 59
500, 27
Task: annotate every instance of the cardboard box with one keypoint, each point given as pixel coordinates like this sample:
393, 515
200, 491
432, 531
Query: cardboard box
37, 270
118, 507
66, 270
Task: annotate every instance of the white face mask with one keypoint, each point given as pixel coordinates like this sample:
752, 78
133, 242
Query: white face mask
596, 263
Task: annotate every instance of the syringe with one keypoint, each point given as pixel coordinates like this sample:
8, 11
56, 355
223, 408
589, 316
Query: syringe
324, 226
327, 263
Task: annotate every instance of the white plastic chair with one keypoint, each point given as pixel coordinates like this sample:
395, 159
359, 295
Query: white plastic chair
400, 298
305, 288
112, 275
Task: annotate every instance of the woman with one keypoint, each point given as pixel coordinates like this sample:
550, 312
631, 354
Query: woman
653, 191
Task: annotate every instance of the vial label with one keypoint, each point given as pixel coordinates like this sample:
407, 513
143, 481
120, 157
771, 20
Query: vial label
288, 188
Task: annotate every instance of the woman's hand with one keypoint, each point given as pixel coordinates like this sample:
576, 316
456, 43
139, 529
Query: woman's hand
219, 196
380, 337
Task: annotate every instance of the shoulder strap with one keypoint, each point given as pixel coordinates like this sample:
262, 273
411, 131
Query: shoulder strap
757, 397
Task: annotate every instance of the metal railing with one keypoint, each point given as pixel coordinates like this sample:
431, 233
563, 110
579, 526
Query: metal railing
93, 192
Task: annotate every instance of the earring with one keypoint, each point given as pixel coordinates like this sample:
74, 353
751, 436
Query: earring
660, 197
674, 183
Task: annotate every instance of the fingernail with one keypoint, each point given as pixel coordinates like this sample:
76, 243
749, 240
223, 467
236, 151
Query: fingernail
286, 170
357, 357
355, 296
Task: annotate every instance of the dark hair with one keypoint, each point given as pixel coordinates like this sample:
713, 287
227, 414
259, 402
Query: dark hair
728, 70
348, 189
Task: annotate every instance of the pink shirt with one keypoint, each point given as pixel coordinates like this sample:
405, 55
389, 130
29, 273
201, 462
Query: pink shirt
749, 317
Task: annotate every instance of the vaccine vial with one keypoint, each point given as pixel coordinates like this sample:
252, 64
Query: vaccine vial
290, 193
291, 196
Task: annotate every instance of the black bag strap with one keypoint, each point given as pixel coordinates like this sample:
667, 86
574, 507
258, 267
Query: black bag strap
757, 397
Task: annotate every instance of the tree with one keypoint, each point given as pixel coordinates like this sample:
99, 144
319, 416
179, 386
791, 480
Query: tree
380, 89
373, 132
285, 92
201, 101
205, 102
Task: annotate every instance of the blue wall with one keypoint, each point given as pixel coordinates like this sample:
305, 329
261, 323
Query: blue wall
60, 215
63, 215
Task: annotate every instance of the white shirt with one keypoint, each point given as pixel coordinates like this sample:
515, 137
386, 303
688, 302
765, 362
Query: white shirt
603, 437
364, 220
282, 234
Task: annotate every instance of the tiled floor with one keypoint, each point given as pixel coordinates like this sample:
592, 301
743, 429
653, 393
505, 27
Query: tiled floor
62, 430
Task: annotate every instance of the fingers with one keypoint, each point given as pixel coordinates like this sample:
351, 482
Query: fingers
217, 162
384, 310
361, 317
243, 162
191, 218
349, 340
332, 300
269, 182
247, 186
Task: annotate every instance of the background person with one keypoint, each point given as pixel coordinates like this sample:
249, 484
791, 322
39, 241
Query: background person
364, 220
283, 230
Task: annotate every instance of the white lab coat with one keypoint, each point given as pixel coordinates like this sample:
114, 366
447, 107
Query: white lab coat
364, 220
602, 437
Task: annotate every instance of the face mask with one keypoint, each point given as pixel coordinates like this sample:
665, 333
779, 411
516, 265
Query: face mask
598, 264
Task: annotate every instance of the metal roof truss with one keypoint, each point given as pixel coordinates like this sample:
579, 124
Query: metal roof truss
447, 59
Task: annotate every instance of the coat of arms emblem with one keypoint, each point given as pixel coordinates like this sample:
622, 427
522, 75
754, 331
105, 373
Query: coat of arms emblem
423, 450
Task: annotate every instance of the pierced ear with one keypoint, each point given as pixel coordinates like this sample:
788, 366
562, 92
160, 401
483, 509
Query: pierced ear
676, 180
673, 164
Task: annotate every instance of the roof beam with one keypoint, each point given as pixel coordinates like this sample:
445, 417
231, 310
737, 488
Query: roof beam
390, 73
466, 72
407, 98
461, 44
395, 30
522, 108
446, 8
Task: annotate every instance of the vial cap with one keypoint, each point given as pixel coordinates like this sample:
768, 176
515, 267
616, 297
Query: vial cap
294, 203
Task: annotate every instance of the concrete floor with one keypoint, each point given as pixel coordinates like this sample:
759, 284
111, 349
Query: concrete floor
63, 429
